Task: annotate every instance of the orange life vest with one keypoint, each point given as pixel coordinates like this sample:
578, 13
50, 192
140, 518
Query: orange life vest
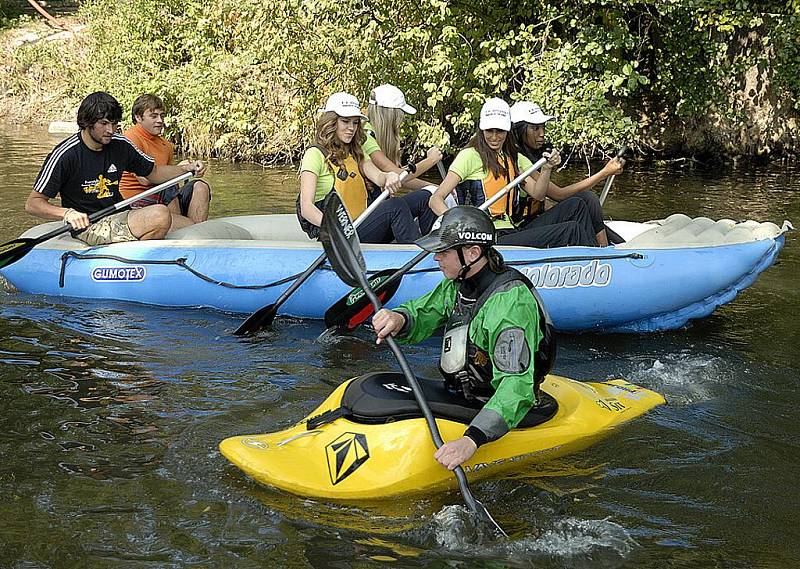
493, 184
349, 183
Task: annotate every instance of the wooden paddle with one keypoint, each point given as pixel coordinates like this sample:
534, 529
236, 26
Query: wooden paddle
353, 309
340, 240
14, 250
610, 179
264, 316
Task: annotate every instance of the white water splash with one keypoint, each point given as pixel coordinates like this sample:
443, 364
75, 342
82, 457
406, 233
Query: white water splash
334, 336
684, 379
572, 537
6, 286
455, 529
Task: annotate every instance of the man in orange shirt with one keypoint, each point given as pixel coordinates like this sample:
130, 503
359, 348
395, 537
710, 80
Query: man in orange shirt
187, 204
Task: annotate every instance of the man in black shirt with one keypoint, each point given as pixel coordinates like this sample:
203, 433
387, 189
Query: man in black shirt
85, 170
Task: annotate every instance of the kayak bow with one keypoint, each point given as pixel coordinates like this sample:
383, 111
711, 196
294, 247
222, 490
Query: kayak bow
349, 452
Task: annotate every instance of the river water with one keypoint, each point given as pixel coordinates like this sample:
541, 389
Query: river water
110, 416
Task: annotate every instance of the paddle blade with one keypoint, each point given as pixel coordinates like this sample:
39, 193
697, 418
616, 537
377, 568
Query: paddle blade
340, 241
257, 321
13, 251
353, 309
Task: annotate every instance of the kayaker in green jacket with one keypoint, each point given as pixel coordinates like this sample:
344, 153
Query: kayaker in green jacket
493, 328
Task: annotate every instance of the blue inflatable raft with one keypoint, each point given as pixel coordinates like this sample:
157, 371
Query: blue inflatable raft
667, 273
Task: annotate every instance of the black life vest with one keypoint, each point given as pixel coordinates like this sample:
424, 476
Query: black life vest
468, 368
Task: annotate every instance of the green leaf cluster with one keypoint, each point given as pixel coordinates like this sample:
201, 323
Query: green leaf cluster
243, 78
9, 15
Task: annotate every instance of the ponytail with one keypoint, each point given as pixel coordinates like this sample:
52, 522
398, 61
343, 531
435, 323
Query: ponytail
495, 260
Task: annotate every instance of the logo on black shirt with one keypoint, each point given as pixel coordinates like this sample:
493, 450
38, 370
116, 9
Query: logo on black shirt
102, 187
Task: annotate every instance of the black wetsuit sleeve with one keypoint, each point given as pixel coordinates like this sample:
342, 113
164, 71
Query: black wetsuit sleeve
477, 436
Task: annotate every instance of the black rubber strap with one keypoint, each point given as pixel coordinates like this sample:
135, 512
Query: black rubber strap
328, 416
478, 437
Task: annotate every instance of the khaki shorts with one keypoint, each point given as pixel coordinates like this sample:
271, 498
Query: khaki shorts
111, 229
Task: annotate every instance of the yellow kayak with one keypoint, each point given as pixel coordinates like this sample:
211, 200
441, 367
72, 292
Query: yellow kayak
368, 441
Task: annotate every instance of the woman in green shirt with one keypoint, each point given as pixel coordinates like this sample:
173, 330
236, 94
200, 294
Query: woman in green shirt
490, 162
529, 125
337, 162
386, 111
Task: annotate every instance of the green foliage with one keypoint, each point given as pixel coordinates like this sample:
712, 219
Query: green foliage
243, 78
787, 52
8, 15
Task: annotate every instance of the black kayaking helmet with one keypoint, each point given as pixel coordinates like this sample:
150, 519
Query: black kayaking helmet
459, 227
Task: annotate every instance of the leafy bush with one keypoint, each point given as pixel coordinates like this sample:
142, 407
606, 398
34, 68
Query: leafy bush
243, 79
8, 15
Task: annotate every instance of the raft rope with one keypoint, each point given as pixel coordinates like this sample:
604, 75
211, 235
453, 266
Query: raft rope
181, 262
548, 260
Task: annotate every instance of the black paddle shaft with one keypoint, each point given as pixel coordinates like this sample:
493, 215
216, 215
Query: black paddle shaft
340, 310
472, 503
13, 251
117, 207
610, 179
264, 316
344, 251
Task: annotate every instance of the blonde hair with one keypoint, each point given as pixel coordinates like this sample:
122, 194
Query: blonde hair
336, 150
386, 123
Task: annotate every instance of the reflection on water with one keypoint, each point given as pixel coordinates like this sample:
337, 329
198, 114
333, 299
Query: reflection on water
110, 416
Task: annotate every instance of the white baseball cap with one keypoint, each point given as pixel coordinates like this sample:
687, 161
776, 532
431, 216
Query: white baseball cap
343, 104
525, 111
390, 97
495, 114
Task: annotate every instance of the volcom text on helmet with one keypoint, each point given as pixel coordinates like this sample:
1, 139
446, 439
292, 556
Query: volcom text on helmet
474, 236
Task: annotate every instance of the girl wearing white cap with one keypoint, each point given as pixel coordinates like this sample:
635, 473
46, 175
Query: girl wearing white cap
529, 126
488, 164
337, 162
386, 110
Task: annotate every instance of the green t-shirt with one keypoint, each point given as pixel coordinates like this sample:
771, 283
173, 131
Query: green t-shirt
370, 145
314, 162
468, 166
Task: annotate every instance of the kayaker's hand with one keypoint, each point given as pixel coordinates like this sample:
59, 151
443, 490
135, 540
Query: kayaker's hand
76, 219
392, 182
454, 453
553, 159
197, 167
387, 322
614, 166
